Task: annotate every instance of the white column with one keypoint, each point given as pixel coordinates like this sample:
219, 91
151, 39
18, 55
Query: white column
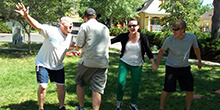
148, 23
144, 18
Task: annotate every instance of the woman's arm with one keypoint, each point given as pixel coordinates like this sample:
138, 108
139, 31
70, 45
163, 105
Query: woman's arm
154, 66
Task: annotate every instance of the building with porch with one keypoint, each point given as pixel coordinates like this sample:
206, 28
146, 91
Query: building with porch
150, 15
206, 21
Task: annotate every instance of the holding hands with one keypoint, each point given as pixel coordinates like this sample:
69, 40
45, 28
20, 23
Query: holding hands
154, 67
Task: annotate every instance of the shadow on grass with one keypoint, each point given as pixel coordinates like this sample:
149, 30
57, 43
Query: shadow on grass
34, 46
15, 53
18, 51
29, 105
109, 95
206, 82
70, 74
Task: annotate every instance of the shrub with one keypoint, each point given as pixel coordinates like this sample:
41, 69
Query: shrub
156, 38
4, 28
117, 31
124, 30
210, 48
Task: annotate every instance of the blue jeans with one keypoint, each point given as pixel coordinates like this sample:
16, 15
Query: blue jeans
56, 76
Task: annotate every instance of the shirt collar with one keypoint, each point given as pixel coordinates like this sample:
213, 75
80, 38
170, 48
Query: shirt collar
61, 33
91, 20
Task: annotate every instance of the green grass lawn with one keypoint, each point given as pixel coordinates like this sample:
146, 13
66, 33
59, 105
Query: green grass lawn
18, 85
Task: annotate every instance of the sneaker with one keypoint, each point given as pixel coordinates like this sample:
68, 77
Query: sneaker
80, 108
133, 107
63, 108
118, 105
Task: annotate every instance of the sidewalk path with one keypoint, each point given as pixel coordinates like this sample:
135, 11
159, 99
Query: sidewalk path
35, 37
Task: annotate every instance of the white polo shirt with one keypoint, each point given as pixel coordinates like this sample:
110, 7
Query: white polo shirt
53, 49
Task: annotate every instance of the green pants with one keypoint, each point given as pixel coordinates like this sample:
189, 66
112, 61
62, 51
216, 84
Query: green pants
136, 72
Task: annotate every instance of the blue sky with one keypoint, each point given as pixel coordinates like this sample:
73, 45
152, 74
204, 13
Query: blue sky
207, 2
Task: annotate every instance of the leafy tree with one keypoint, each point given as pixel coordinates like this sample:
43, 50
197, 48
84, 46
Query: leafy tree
216, 20
204, 8
109, 10
186, 10
44, 11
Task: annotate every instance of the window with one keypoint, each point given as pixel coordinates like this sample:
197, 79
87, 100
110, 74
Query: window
155, 20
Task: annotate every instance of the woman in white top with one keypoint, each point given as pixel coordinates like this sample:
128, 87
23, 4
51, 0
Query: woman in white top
134, 46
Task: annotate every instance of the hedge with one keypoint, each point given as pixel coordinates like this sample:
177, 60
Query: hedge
4, 28
116, 31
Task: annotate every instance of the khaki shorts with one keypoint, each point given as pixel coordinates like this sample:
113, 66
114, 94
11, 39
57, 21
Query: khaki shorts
96, 76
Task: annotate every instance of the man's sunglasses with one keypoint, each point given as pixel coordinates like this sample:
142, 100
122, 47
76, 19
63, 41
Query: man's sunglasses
175, 29
132, 26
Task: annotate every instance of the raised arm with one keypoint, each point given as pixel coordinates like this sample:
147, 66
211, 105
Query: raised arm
24, 12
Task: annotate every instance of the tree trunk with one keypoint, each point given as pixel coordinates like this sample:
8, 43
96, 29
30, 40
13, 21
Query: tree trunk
123, 22
29, 40
216, 20
28, 31
111, 21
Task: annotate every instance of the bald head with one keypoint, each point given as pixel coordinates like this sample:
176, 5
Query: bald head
66, 25
64, 19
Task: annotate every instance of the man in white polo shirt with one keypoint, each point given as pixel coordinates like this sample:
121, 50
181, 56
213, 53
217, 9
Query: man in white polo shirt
49, 61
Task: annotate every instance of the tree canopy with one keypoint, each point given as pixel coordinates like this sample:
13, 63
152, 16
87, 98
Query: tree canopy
109, 10
187, 10
204, 8
44, 11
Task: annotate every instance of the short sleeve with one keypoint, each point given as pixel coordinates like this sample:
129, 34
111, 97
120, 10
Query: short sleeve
45, 30
80, 40
165, 44
195, 42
